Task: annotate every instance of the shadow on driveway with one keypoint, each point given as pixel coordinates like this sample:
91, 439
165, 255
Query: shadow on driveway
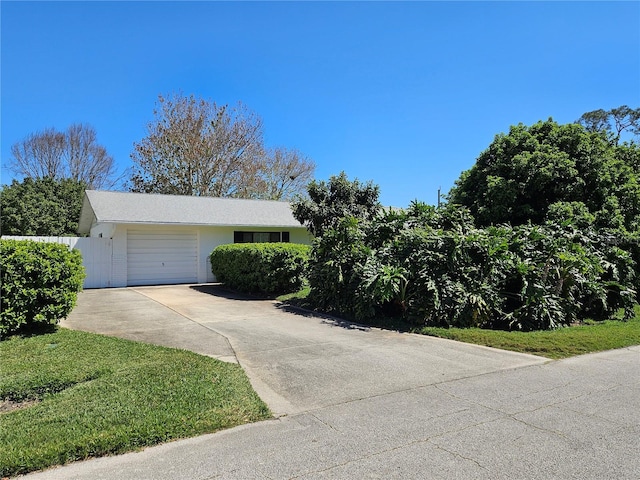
218, 290
222, 292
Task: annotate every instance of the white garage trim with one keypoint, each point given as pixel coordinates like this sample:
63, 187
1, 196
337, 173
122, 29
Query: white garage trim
161, 257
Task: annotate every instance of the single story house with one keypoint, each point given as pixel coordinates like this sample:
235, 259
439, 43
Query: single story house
166, 239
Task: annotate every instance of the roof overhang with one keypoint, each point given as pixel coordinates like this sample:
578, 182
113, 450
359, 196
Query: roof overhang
87, 216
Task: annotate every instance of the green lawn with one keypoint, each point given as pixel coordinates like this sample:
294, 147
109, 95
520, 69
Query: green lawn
97, 395
561, 343
565, 342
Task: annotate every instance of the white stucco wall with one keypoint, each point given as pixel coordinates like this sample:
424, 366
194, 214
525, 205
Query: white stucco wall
208, 239
104, 230
211, 237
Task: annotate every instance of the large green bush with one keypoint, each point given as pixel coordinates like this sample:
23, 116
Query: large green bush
41, 206
434, 267
40, 283
261, 267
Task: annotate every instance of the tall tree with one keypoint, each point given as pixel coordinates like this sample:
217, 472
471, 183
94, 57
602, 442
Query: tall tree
329, 202
197, 147
74, 153
523, 173
43, 206
613, 122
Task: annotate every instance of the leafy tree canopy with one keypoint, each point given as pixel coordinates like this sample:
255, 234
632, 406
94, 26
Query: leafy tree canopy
43, 206
328, 202
525, 172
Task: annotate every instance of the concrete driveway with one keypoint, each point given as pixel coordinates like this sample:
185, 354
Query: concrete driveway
354, 402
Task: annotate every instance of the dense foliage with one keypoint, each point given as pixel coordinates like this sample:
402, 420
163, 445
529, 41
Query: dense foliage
561, 260
40, 283
525, 173
434, 267
43, 206
272, 268
328, 202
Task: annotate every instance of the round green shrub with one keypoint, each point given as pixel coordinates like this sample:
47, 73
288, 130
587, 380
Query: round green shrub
272, 268
40, 283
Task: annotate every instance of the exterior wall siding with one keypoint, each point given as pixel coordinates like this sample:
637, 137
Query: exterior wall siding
119, 267
211, 237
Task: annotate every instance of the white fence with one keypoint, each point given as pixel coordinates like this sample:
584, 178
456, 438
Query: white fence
96, 256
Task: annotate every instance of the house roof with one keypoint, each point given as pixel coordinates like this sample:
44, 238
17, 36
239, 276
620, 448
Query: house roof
143, 208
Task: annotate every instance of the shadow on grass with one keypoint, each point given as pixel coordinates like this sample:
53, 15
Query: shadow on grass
31, 330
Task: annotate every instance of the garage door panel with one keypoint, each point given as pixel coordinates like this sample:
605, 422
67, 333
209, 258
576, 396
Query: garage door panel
167, 268
137, 234
164, 249
162, 257
163, 245
159, 243
146, 257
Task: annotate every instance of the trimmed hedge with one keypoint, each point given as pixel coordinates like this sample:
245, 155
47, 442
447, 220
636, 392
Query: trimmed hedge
40, 283
273, 268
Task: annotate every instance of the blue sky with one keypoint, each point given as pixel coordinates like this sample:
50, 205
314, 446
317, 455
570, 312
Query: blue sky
404, 94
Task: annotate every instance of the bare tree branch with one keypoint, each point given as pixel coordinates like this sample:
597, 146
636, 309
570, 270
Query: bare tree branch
286, 173
196, 147
73, 154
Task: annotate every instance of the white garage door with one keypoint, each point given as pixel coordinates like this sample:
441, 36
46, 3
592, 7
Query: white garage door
162, 257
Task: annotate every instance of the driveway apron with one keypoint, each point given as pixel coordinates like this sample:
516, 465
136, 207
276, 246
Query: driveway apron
296, 361
354, 402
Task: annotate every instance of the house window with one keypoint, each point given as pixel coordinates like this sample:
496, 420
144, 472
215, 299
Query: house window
260, 237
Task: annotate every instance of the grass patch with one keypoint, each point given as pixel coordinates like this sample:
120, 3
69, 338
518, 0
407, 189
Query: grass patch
88, 395
561, 343
296, 297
